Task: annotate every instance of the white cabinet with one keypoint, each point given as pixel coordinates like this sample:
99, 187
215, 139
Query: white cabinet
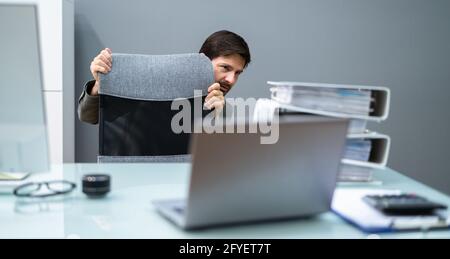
56, 28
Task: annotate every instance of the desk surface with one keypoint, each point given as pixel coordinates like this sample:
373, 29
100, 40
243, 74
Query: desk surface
127, 211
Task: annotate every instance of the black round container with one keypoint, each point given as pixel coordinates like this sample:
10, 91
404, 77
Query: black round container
96, 185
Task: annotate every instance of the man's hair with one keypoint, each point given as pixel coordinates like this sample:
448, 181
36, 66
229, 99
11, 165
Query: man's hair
225, 43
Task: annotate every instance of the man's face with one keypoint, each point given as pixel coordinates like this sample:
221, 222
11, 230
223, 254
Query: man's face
227, 70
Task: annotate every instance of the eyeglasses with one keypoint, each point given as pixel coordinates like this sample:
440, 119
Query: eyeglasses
53, 188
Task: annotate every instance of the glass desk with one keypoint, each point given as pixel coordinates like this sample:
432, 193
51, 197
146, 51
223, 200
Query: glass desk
127, 211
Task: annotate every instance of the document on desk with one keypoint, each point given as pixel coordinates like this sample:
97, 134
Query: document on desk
349, 205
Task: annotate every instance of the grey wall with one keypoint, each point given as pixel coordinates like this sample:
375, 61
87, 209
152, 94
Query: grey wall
402, 44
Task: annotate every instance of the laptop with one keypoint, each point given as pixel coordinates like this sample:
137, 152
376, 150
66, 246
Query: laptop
236, 179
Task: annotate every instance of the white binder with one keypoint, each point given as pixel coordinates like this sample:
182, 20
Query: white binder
283, 93
380, 94
379, 154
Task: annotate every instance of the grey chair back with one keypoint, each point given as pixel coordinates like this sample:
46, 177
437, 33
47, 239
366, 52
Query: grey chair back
135, 106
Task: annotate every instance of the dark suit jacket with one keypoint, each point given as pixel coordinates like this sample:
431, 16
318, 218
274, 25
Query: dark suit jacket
88, 105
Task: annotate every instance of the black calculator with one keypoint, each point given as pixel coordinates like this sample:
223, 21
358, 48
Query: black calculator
403, 204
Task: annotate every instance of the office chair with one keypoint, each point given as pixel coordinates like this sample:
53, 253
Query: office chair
135, 106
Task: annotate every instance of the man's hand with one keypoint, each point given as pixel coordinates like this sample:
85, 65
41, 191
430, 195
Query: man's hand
101, 64
215, 98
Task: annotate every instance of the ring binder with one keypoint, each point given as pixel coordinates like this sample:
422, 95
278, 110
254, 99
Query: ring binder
358, 103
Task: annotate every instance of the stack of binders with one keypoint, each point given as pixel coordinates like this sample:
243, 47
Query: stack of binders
365, 150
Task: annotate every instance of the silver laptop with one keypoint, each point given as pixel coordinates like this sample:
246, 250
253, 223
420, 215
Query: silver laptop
235, 179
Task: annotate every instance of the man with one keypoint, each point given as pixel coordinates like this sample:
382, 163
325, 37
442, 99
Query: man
229, 54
